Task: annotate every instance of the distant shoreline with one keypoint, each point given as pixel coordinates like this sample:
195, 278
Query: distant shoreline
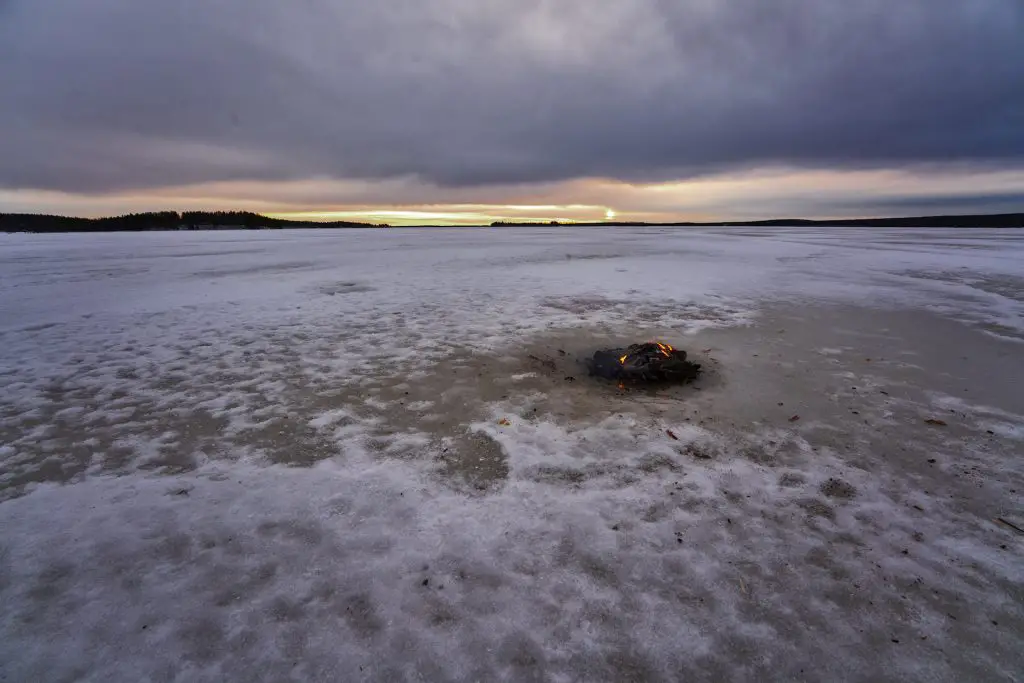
239, 220
1001, 220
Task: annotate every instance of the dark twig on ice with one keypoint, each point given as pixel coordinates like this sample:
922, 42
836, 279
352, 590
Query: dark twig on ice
1010, 524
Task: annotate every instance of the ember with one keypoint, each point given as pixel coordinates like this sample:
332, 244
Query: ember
652, 362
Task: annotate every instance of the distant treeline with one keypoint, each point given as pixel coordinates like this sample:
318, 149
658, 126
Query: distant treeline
246, 220
1001, 220
159, 220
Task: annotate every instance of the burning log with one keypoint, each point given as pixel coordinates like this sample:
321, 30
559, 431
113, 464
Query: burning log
653, 363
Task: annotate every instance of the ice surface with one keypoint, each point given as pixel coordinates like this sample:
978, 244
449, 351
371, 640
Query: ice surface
314, 455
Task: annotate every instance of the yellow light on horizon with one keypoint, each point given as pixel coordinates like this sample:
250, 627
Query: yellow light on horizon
609, 215
455, 214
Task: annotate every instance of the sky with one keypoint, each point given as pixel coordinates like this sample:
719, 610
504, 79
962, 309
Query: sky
467, 111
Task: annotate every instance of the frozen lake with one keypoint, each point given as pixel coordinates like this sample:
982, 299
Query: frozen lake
373, 455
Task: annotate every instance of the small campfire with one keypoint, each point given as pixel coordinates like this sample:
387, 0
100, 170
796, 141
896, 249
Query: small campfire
651, 363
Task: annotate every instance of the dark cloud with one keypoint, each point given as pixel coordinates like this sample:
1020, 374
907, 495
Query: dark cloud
916, 204
118, 94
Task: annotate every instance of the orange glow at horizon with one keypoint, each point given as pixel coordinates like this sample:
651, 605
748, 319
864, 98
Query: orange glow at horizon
467, 214
748, 195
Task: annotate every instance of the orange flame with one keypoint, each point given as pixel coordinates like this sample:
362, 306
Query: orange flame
623, 359
665, 349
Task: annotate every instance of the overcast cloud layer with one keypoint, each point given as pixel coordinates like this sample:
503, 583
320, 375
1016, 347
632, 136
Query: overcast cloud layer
113, 95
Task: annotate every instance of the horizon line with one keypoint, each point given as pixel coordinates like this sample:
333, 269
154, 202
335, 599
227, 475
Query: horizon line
1003, 219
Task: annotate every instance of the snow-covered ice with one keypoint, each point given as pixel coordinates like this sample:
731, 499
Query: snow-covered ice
369, 455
